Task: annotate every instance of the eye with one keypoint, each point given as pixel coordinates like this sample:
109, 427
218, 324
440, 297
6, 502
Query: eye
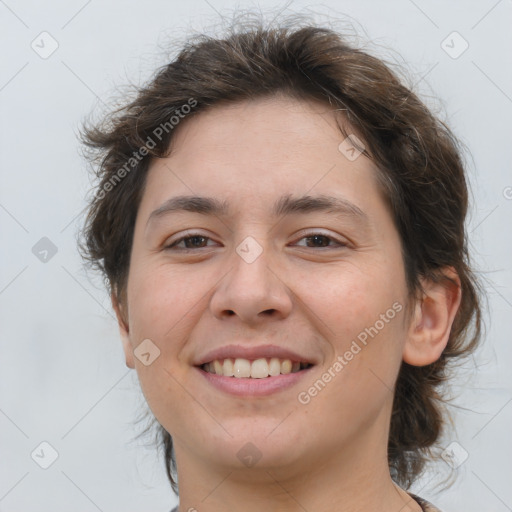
192, 241
198, 241
321, 240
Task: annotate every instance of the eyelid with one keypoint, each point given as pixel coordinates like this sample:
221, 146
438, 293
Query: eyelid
305, 233
189, 233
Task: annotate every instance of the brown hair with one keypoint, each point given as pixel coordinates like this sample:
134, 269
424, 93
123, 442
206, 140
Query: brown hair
421, 175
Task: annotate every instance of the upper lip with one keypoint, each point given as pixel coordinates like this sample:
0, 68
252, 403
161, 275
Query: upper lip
252, 352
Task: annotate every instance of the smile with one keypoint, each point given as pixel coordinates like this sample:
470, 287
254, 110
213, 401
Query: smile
253, 378
261, 368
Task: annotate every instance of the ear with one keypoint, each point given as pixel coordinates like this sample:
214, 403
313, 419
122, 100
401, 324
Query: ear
123, 330
433, 318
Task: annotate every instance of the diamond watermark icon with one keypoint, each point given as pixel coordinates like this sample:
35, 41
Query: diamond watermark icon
454, 455
249, 249
44, 45
44, 455
249, 455
351, 147
454, 45
44, 249
147, 352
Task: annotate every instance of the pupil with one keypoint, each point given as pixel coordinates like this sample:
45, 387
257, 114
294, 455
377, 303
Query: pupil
189, 241
317, 237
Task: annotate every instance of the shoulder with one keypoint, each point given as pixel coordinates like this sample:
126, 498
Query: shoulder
424, 504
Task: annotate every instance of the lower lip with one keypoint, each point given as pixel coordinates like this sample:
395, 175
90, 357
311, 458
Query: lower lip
254, 387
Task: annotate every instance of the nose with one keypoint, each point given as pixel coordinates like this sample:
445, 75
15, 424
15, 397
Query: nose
252, 291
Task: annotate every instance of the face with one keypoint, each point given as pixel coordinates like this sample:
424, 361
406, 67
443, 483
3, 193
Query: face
271, 278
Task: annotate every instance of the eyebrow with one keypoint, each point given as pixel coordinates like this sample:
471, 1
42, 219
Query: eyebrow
285, 205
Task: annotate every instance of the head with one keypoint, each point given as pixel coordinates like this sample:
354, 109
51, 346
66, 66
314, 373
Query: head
270, 125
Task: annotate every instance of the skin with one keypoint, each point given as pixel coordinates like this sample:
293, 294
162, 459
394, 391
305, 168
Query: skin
328, 454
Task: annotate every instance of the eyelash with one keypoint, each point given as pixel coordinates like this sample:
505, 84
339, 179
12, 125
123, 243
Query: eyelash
199, 235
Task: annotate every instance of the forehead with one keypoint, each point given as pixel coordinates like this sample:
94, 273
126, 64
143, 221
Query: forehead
250, 153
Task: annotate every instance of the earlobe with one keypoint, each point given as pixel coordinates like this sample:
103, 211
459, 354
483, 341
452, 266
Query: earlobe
430, 328
123, 330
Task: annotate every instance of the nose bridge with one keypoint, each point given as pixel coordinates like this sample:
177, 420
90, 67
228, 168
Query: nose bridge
251, 264
251, 286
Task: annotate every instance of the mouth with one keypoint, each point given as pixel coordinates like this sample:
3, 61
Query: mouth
262, 368
251, 378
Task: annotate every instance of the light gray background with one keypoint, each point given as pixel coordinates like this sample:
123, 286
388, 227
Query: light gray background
62, 374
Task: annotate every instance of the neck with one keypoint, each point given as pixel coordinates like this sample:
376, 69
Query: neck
351, 479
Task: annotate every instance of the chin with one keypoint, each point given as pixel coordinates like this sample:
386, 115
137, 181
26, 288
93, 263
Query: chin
256, 444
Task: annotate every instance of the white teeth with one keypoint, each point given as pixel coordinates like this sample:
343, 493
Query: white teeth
242, 368
274, 368
257, 369
227, 368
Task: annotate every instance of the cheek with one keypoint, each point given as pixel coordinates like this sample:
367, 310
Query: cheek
358, 382
362, 309
162, 300
350, 300
161, 309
